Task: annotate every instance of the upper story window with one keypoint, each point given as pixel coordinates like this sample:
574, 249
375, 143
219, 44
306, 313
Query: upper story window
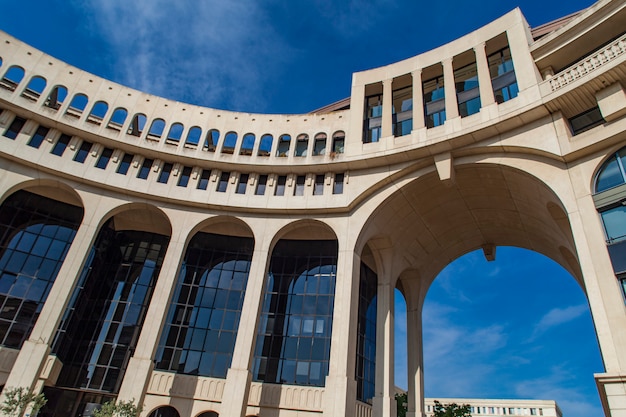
12, 78
14, 129
434, 99
283, 145
339, 140
34, 88
372, 120
230, 141
586, 120
77, 105
56, 97
502, 73
302, 145
402, 111
612, 172
117, 118
265, 147
467, 92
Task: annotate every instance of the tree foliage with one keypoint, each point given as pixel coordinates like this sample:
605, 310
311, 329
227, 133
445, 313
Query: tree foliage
402, 402
451, 410
118, 409
18, 400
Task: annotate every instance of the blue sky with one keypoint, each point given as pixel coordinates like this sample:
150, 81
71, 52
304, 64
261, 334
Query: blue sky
518, 327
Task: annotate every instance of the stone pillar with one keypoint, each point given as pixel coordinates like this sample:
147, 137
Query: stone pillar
340, 391
415, 359
34, 352
386, 129
452, 105
526, 71
239, 375
141, 365
384, 403
484, 78
418, 100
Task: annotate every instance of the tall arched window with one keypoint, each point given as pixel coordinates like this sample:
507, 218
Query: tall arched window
612, 173
247, 144
193, 136
211, 140
230, 141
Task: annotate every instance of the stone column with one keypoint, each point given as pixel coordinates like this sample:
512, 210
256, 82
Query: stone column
340, 391
452, 105
415, 360
526, 71
34, 352
418, 100
386, 129
484, 78
384, 403
239, 377
141, 365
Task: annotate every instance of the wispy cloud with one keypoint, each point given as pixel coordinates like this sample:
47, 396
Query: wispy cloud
207, 52
558, 316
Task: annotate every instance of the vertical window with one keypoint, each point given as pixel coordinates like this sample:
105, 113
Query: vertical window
175, 133
243, 183
366, 336
210, 142
61, 145
402, 111
280, 185
467, 92
83, 151
373, 118
34, 88
299, 188
319, 146
223, 182
283, 146
98, 111
201, 327
293, 343
265, 147
319, 185
104, 158
230, 141
12, 78
338, 184
37, 139
247, 144
117, 119
586, 120
137, 124
56, 97
302, 145
261, 185
125, 164
434, 100
339, 139
164, 175
203, 181
502, 73
193, 137
77, 105
145, 169
183, 179
156, 129
14, 128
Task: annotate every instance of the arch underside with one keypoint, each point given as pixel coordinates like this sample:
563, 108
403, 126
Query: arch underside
429, 223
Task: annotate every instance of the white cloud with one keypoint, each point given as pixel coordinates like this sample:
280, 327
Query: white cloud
204, 52
558, 316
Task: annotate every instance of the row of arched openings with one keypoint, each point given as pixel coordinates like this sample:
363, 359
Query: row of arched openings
138, 122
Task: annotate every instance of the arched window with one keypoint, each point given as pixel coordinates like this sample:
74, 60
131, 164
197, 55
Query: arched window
211, 140
34, 88
156, 129
118, 118
283, 146
319, 145
612, 172
77, 105
247, 144
208, 414
265, 147
339, 139
137, 124
98, 111
302, 145
230, 141
165, 411
193, 136
56, 97
12, 78
175, 133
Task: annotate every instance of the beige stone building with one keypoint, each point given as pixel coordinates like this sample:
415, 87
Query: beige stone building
499, 408
204, 262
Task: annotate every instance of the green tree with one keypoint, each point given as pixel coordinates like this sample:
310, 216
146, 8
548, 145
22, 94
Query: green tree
402, 402
118, 409
18, 400
451, 410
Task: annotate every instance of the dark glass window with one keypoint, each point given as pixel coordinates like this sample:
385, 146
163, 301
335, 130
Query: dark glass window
319, 145
203, 182
83, 151
502, 73
101, 325
125, 164
14, 128
199, 337
282, 149
467, 93
319, 185
302, 145
38, 137
280, 185
434, 102
35, 235
183, 179
373, 118
299, 188
223, 183
145, 169
265, 147
61, 145
338, 184
293, 344
402, 111
242, 184
366, 335
586, 120
612, 173
339, 139
104, 158
261, 185
164, 175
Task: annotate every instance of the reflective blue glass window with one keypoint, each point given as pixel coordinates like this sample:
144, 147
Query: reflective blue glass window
366, 336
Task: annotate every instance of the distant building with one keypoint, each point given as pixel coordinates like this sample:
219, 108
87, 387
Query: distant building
204, 262
499, 408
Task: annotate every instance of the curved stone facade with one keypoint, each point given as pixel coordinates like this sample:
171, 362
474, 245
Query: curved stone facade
493, 139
